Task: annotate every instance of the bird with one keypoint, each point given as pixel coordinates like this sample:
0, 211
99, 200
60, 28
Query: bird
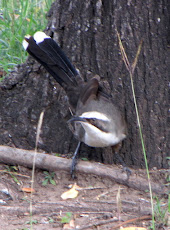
95, 119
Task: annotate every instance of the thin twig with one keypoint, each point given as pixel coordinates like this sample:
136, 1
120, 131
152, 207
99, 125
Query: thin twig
104, 222
149, 217
34, 159
14, 173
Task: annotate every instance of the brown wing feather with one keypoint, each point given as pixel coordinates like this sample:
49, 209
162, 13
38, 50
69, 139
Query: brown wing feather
89, 91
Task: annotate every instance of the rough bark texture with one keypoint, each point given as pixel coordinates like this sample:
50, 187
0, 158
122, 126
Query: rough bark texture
86, 30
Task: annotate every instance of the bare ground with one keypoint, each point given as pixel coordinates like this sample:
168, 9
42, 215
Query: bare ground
101, 204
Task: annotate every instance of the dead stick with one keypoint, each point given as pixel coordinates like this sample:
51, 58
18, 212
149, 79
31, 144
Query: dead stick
101, 222
48, 162
71, 206
149, 217
104, 222
14, 173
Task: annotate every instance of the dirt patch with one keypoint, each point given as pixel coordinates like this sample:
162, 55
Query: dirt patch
101, 202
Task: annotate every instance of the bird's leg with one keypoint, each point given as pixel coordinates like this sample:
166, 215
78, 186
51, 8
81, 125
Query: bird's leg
116, 149
74, 160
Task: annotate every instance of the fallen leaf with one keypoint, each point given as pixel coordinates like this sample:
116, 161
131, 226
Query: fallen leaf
71, 225
78, 187
70, 194
29, 190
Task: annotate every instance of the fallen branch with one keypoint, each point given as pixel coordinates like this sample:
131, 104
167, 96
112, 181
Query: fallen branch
48, 162
71, 206
104, 222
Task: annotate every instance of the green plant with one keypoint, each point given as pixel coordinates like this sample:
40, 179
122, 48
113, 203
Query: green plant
84, 159
66, 219
32, 222
168, 176
18, 18
161, 211
50, 220
49, 178
12, 170
22, 229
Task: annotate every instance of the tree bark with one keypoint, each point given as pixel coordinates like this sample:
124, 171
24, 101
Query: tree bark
86, 30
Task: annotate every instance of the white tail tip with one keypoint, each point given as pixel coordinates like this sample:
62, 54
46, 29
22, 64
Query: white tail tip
40, 36
25, 43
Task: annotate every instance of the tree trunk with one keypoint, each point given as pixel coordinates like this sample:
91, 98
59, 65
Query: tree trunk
86, 30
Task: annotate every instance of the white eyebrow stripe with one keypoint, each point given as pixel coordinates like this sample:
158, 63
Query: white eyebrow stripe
40, 36
95, 114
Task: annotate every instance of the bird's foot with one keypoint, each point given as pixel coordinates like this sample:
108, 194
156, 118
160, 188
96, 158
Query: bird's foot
127, 171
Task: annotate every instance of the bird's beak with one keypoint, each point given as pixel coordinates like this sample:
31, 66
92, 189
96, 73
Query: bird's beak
78, 119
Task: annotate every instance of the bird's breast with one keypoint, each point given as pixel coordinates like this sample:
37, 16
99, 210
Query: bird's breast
96, 138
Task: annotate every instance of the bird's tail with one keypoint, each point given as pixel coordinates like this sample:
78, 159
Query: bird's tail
47, 52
